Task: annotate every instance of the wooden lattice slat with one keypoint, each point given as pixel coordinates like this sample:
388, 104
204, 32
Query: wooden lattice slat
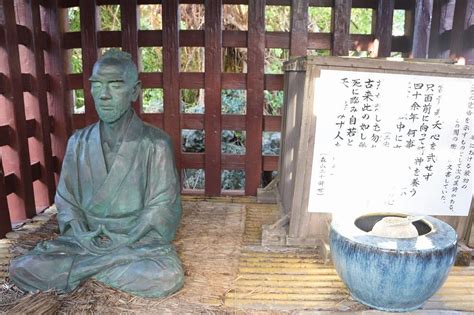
299, 28
212, 119
383, 27
129, 22
255, 87
422, 26
89, 53
171, 64
341, 21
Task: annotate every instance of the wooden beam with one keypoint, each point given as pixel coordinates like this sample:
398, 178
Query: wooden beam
340, 26
255, 97
383, 28
89, 23
18, 159
299, 28
171, 97
213, 86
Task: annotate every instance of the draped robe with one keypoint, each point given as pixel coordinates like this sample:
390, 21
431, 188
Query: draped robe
141, 186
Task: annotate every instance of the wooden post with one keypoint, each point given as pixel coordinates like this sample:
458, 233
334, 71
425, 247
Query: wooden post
171, 86
340, 25
129, 21
255, 98
213, 87
88, 9
422, 28
16, 157
383, 28
5, 222
462, 34
442, 19
59, 103
299, 28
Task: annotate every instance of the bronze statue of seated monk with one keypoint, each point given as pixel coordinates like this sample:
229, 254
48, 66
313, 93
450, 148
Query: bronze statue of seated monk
118, 200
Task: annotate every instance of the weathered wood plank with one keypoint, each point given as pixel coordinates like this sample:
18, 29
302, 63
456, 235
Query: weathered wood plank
213, 86
255, 99
299, 28
171, 98
16, 160
383, 28
90, 52
340, 26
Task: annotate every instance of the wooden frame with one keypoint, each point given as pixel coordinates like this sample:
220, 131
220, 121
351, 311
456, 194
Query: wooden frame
299, 127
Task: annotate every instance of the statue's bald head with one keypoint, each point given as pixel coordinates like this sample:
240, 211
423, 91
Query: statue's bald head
118, 57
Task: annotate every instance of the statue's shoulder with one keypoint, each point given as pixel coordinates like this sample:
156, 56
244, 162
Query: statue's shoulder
82, 135
156, 136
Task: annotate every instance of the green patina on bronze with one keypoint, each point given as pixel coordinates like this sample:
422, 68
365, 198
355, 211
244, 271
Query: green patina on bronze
118, 200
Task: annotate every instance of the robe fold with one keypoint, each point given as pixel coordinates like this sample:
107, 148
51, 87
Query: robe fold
142, 186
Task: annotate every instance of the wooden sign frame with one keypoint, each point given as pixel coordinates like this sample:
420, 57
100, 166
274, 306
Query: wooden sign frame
299, 126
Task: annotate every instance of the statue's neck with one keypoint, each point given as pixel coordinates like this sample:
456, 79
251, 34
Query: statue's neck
112, 132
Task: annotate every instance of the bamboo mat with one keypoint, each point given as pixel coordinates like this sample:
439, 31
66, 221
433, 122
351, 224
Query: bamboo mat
226, 272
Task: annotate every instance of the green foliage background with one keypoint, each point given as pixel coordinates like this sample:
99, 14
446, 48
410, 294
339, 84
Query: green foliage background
235, 17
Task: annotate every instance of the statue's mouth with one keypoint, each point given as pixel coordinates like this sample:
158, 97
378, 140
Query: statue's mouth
107, 108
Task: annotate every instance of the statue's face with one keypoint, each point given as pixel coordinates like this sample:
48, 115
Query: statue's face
112, 91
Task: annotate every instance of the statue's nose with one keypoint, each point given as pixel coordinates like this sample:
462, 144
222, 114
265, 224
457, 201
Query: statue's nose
104, 93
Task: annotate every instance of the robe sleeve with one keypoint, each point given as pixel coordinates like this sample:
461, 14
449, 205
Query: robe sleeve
67, 191
162, 208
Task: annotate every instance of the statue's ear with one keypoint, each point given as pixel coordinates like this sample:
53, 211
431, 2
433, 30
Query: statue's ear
136, 90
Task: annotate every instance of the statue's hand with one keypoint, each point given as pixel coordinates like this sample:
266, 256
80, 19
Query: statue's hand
117, 240
88, 241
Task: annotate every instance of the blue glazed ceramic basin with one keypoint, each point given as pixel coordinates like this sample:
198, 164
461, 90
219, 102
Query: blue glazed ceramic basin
392, 274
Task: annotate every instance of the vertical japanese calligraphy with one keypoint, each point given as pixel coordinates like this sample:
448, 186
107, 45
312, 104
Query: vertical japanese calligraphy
394, 142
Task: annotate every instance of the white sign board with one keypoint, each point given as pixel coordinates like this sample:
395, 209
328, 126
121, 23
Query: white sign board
392, 142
